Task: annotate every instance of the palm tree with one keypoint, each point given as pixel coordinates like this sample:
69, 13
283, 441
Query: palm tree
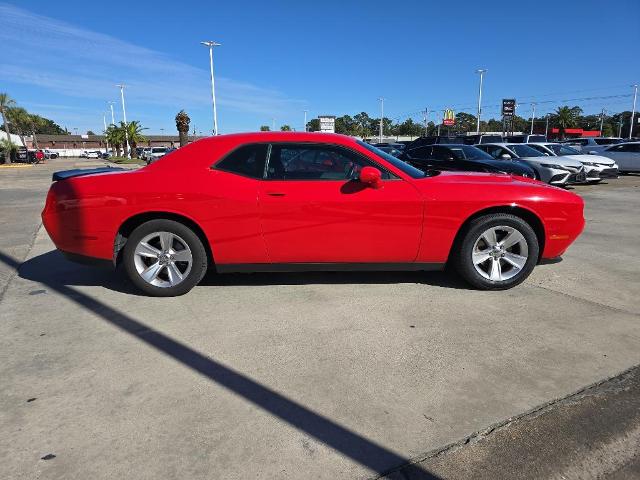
134, 130
6, 102
115, 137
565, 118
182, 124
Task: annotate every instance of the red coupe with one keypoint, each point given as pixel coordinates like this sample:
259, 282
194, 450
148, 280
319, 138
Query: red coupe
305, 201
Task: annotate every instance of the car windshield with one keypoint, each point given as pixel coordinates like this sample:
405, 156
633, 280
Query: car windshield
562, 149
396, 162
470, 153
523, 150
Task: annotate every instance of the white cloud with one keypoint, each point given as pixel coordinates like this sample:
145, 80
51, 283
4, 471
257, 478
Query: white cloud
81, 63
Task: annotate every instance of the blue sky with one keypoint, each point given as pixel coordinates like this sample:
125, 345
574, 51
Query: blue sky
63, 59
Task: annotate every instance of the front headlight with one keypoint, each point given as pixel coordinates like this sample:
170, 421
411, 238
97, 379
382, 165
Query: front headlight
551, 165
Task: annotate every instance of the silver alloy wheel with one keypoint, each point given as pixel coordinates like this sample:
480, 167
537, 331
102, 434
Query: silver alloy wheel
500, 253
163, 259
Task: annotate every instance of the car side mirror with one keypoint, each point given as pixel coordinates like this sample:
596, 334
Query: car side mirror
505, 156
371, 176
592, 153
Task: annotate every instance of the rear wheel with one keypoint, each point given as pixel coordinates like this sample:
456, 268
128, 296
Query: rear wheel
164, 258
496, 252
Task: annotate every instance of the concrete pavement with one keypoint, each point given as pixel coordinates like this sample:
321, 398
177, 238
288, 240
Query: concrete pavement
332, 375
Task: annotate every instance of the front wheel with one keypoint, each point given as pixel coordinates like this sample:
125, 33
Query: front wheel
164, 258
496, 252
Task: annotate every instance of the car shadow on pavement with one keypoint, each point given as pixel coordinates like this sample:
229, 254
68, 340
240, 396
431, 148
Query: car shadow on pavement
54, 267
358, 448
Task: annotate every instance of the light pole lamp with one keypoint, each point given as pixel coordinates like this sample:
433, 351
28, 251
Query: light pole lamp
124, 118
381, 117
481, 71
113, 117
633, 110
211, 44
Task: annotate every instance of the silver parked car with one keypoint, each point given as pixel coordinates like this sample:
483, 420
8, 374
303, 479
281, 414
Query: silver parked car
591, 144
596, 167
626, 155
558, 171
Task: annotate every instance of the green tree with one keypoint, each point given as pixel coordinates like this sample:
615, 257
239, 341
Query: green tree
363, 124
465, 122
346, 125
313, 125
264, 128
115, 136
285, 128
6, 102
182, 125
134, 132
565, 117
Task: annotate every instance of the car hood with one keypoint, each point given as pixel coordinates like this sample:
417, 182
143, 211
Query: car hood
593, 159
564, 161
482, 178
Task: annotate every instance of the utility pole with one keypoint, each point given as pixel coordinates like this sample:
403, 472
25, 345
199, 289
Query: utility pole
426, 121
212, 44
381, 117
439, 122
124, 117
305, 120
273, 124
533, 115
602, 120
481, 71
633, 111
546, 128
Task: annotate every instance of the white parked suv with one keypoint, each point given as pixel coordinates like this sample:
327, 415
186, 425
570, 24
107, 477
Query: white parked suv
155, 153
558, 171
596, 167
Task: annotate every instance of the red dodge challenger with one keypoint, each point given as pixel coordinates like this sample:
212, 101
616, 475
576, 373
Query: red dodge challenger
305, 201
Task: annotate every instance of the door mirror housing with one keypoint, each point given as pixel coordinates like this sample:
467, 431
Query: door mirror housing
371, 176
505, 156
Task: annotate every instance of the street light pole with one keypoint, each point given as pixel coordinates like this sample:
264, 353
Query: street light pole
124, 117
104, 121
546, 128
602, 120
381, 117
481, 71
113, 118
305, 120
212, 44
533, 115
633, 111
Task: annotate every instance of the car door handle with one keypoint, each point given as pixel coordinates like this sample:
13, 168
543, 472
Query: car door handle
276, 194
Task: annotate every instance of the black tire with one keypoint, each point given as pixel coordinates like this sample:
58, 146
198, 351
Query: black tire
462, 256
198, 254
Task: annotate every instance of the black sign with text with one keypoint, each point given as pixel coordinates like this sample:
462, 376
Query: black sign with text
508, 107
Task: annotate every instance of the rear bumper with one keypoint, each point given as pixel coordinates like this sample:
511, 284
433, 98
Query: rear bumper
87, 260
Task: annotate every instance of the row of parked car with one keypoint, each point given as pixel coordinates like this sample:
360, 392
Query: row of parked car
573, 161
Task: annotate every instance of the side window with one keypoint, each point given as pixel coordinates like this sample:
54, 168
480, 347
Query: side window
247, 161
315, 162
627, 147
421, 152
441, 153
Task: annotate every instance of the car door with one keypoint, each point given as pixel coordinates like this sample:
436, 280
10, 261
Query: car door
626, 155
314, 210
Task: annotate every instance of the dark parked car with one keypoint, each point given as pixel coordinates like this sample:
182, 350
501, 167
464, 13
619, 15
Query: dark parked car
463, 158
